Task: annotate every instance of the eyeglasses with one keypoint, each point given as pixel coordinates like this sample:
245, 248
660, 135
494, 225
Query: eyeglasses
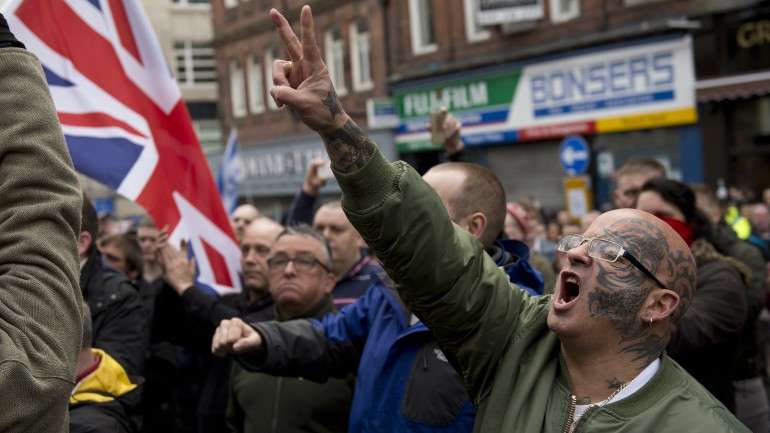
302, 263
605, 250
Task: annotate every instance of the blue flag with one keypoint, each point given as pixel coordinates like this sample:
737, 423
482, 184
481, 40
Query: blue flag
230, 173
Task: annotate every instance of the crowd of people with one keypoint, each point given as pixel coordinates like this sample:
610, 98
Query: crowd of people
412, 304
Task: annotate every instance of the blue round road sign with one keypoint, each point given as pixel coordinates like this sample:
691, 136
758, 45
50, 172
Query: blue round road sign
574, 155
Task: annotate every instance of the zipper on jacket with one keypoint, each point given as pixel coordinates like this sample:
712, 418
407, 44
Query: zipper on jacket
274, 423
570, 414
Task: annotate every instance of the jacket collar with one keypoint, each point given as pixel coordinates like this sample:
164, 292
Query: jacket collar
326, 305
105, 383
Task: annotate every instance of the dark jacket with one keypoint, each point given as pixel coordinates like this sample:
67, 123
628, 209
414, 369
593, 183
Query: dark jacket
752, 265
707, 337
403, 381
513, 257
106, 400
119, 318
263, 403
208, 310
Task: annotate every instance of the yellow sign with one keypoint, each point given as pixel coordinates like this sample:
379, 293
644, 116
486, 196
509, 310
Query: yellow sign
650, 120
577, 195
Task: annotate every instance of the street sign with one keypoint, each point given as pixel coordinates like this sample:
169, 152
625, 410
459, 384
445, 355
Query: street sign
574, 155
577, 194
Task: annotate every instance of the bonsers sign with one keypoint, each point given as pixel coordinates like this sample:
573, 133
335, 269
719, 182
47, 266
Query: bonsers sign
645, 85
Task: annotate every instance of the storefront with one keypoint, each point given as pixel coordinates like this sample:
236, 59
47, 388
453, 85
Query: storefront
635, 98
733, 69
273, 171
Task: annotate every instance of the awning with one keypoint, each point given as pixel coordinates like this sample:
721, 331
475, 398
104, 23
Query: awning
733, 87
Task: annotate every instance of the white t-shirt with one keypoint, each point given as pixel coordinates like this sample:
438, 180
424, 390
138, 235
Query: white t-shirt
635, 385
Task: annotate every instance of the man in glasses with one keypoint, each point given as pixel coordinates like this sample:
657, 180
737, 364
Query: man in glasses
301, 281
527, 362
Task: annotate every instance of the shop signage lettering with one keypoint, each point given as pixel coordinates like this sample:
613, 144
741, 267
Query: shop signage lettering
594, 86
455, 98
279, 164
753, 34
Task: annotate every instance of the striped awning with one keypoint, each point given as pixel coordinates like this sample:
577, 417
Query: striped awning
733, 87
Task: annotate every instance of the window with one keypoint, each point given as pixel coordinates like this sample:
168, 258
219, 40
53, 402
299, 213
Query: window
256, 91
361, 50
231, 4
473, 31
195, 63
335, 60
421, 25
269, 57
564, 10
237, 90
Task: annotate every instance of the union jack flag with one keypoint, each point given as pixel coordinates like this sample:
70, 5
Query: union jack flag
125, 122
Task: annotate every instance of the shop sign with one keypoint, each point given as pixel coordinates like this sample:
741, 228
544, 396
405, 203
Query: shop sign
641, 86
381, 113
492, 12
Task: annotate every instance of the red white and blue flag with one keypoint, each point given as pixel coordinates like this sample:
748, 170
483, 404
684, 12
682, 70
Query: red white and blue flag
125, 122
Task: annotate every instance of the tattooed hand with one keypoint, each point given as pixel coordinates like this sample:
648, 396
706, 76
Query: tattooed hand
304, 85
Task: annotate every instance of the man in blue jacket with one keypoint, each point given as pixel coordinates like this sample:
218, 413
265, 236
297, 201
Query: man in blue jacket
404, 381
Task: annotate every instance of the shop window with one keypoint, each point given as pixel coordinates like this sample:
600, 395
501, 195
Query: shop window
237, 90
335, 59
256, 91
473, 31
269, 57
361, 56
564, 10
195, 63
421, 26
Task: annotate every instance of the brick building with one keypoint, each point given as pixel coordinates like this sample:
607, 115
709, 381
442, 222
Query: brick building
525, 81
275, 146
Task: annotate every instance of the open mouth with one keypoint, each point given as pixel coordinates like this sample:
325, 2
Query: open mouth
569, 290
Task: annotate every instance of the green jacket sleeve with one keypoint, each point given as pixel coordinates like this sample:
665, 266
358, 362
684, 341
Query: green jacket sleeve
40, 300
444, 275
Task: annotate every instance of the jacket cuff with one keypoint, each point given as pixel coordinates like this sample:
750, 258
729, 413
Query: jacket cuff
368, 186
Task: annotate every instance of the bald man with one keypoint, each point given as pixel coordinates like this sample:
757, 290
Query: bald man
242, 216
528, 362
475, 200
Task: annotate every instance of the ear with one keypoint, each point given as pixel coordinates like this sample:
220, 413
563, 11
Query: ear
660, 304
84, 243
330, 281
477, 224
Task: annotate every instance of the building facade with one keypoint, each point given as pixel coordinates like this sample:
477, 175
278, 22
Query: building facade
657, 78
275, 147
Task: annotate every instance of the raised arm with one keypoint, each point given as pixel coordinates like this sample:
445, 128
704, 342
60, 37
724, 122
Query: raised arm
40, 300
444, 274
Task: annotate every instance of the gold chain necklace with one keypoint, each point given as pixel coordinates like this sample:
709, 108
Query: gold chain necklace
571, 424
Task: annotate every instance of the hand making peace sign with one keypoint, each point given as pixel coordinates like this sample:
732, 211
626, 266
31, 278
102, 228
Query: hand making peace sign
304, 83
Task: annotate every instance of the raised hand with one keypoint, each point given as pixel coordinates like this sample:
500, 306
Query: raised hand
314, 180
304, 85
234, 336
179, 270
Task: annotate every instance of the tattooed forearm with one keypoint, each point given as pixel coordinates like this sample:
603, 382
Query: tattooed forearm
348, 147
332, 103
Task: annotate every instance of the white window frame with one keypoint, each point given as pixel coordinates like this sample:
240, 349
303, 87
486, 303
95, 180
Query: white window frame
557, 16
335, 61
473, 31
269, 58
360, 84
188, 64
418, 48
254, 84
229, 4
237, 89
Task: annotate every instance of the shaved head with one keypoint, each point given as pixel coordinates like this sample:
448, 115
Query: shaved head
613, 306
658, 247
466, 189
